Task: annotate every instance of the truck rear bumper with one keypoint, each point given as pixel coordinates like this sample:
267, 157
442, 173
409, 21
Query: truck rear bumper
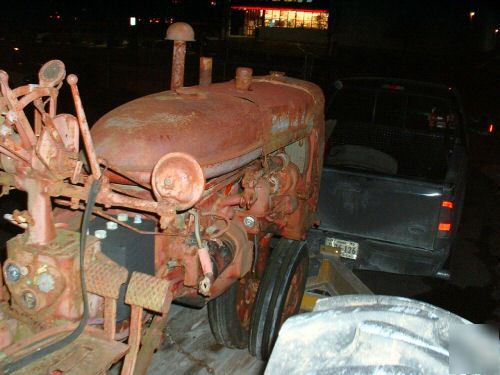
386, 256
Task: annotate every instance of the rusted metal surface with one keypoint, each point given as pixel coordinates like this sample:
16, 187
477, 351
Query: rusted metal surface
178, 63
293, 297
109, 325
84, 127
254, 123
177, 177
218, 168
247, 291
144, 292
180, 33
47, 275
149, 292
103, 276
243, 78
205, 71
134, 340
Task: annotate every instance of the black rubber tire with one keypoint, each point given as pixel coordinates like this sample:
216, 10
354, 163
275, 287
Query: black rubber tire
271, 296
224, 322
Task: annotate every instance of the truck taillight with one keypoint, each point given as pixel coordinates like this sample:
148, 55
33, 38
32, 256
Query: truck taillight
447, 204
445, 216
444, 227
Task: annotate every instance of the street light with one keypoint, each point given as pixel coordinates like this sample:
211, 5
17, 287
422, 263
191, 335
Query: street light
472, 15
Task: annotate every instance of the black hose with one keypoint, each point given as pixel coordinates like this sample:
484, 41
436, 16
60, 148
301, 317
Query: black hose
35, 356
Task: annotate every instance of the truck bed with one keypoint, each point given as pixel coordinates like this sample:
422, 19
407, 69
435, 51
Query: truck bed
419, 154
380, 207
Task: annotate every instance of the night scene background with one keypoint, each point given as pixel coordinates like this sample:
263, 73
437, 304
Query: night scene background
118, 50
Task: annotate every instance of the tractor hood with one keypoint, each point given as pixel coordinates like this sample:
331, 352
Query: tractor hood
221, 127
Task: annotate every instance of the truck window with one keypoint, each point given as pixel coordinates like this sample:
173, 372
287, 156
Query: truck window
353, 105
428, 113
390, 109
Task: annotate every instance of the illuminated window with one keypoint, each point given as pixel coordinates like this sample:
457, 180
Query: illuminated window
295, 19
256, 17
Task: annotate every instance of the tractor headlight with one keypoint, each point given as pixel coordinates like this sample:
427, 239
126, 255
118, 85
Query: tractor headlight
178, 178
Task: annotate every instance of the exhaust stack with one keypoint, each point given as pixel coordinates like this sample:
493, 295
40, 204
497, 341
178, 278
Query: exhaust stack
180, 33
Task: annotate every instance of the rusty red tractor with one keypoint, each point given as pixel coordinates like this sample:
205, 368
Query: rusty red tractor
201, 195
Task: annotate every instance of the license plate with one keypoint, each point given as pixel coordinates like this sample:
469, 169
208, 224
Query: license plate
348, 249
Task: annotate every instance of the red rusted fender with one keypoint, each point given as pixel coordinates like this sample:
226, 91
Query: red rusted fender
221, 127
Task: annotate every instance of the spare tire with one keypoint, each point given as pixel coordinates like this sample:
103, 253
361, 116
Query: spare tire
361, 157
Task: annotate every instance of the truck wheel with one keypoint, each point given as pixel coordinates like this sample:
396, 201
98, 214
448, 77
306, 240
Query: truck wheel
226, 325
279, 295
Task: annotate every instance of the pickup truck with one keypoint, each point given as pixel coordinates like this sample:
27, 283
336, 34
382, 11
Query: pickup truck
393, 184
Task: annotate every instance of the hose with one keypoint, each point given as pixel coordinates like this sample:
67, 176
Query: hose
35, 356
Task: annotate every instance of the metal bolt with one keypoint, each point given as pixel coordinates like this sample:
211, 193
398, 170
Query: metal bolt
249, 221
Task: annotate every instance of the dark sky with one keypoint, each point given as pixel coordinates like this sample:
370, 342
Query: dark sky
98, 8
152, 7
31, 11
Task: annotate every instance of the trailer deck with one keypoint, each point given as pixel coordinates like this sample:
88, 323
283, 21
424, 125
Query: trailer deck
189, 347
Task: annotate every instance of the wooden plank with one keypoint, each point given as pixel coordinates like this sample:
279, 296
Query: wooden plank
190, 348
86, 355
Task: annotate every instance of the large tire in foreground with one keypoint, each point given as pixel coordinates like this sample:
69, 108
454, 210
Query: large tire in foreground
370, 334
279, 295
225, 323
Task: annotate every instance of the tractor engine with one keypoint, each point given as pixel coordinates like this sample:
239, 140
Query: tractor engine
174, 196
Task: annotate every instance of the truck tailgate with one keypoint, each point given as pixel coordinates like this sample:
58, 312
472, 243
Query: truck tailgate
380, 207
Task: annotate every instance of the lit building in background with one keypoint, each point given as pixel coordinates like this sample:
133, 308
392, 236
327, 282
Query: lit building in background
247, 16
